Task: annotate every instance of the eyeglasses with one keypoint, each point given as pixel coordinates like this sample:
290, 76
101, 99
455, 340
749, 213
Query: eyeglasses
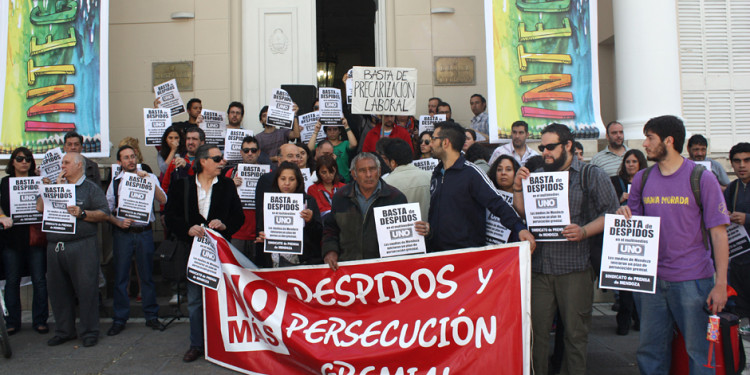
249, 149
549, 147
427, 141
436, 138
217, 158
20, 158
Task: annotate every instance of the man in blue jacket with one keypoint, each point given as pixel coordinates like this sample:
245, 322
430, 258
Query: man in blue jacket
460, 195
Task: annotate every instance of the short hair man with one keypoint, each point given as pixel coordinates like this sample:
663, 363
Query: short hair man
325, 147
685, 273
519, 133
578, 150
561, 272
697, 149
386, 129
183, 167
272, 137
130, 240
461, 194
73, 259
407, 178
432, 105
480, 121
235, 114
74, 143
194, 108
444, 108
737, 196
349, 230
610, 158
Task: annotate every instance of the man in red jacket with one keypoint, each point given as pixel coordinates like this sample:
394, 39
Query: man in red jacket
386, 128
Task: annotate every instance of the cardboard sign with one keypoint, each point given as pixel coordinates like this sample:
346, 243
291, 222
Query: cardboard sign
249, 173
282, 223
428, 164
280, 110
330, 106
233, 143
307, 127
214, 124
739, 242
427, 122
384, 91
497, 233
57, 198
135, 200
51, 164
204, 267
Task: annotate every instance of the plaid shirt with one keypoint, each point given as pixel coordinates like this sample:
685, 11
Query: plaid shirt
558, 258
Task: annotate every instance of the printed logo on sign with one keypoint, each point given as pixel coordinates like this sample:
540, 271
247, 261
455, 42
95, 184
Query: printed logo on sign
546, 203
631, 249
28, 198
158, 124
213, 125
251, 312
283, 106
283, 220
331, 105
59, 206
236, 147
401, 233
249, 184
166, 97
137, 195
208, 254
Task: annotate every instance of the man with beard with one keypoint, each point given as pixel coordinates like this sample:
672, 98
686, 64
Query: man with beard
386, 129
235, 114
610, 158
517, 147
685, 278
432, 105
461, 194
561, 272
697, 149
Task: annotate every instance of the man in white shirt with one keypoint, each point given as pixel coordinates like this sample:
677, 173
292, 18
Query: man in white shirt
517, 147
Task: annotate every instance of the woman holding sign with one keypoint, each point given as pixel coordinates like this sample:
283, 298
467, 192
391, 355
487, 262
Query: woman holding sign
288, 179
341, 148
23, 245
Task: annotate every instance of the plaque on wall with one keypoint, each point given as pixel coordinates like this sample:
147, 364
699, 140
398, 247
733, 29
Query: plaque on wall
454, 71
181, 71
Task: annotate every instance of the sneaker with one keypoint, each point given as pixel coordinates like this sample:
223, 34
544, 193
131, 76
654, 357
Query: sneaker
174, 299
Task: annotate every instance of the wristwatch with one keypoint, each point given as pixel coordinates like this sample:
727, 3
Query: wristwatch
83, 214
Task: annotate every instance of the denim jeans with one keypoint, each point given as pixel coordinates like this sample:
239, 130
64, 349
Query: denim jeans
126, 245
673, 303
14, 261
195, 312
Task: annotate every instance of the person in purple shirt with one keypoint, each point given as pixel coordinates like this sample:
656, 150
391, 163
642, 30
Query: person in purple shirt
684, 280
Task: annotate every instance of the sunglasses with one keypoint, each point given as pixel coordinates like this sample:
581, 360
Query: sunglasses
549, 147
426, 141
28, 159
217, 158
249, 149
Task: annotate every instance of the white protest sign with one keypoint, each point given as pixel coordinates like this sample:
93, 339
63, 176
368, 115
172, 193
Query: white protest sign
545, 197
233, 143
204, 267
386, 91
249, 173
51, 164
214, 124
349, 87
280, 110
155, 122
135, 199
427, 122
23, 194
428, 164
395, 228
282, 223
496, 232
330, 106
169, 97
307, 177
630, 253
739, 243
56, 199
307, 127
115, 170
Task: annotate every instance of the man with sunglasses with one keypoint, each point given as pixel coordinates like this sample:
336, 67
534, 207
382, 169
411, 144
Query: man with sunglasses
561, 272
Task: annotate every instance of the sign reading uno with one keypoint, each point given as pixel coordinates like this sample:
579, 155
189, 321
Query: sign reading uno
631, 249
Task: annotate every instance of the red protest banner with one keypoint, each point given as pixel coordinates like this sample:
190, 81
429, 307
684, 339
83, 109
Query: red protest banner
456, 312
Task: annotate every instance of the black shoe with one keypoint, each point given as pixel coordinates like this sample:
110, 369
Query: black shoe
192, 354
155, 324
637, 325
115, 329
12, 330
57, 340
622, 330
90, 341
616, 306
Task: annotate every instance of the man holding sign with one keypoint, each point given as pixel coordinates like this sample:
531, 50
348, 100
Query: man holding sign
685, 282
562, 275
131, 238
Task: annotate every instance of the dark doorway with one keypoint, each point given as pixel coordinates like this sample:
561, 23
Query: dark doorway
346, 34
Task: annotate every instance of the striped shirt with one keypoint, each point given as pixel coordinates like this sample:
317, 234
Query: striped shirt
608, 160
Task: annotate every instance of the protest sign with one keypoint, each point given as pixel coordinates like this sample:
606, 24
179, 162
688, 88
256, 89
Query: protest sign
282, 223
56, 199
395, 228
155, 122
630, 253
23, 194
204, 267
115, 170
739, 243
307, 177
249, 173
427, 122
418, 314
51, 164
307, 127
135, 200
233, 143
497, 233
427, 164
705, 163
214, 124
349, 87
330, 106
384, 91
545, 197
169, 97
280, 110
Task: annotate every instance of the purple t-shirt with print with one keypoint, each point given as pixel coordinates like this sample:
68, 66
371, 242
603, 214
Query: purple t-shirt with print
682, 255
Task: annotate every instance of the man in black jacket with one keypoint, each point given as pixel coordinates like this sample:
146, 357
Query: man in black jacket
212, 201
